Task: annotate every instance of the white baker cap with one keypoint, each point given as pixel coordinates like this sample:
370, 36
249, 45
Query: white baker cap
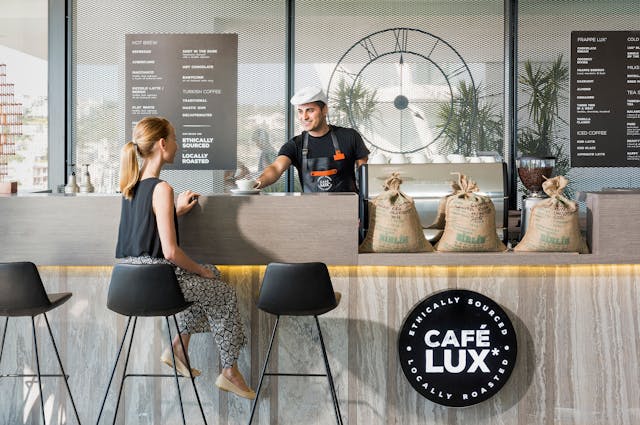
308, 95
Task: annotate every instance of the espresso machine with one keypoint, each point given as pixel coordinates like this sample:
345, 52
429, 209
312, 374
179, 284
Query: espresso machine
533, 171
428, 183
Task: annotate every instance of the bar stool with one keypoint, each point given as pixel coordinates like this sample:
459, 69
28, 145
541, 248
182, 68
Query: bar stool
146, 290
22, 294
297, 289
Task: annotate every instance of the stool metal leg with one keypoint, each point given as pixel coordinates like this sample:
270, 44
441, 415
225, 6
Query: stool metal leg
336, 406
175, 370
124, 372
4, 334
113, 370
35, 344
193, 381
64, 376
264, 369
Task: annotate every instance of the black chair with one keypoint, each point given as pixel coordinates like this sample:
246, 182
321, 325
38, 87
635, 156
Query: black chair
22, 294
146, 290
302, 289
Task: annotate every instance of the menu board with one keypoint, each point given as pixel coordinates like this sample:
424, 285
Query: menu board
605, 99
192, 80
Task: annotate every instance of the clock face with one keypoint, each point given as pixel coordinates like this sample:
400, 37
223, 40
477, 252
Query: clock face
397, 88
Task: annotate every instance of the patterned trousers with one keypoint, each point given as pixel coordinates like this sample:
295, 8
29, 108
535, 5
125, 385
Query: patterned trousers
214, 309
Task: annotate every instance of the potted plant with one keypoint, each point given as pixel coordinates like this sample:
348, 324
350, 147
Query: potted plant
356, 102
546, 89
473, 125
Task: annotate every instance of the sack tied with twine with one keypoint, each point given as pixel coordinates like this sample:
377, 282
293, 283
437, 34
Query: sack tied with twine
553, 225
470, 220
394, 224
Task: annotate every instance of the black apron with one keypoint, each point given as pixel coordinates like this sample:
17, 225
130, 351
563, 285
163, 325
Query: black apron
325, 174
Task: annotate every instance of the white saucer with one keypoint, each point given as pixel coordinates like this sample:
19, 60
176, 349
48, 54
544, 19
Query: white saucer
237, 191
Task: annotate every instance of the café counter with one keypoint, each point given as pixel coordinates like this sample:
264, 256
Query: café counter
576, 317
255, 230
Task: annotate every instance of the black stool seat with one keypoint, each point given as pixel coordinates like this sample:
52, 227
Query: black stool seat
297, 289
22, 294
146, 290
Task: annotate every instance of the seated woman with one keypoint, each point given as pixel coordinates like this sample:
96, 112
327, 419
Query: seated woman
148, 234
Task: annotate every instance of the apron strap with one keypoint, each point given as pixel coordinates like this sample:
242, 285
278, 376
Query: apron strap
338, 155
305, 150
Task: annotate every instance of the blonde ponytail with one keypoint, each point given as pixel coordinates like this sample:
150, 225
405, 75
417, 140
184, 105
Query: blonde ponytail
129, 170
145, 135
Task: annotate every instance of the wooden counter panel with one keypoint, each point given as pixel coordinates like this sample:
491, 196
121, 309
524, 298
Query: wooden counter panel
261, 229
222, 229
237, 230
59, 230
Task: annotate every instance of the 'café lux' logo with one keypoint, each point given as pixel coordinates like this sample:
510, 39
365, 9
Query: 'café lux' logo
457, 348
325, 183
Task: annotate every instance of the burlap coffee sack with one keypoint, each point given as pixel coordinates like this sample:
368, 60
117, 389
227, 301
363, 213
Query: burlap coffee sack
441, 216
553, 225
470, 224
394, 224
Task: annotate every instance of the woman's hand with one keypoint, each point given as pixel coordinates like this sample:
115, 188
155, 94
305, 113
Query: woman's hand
207, 273
186, 201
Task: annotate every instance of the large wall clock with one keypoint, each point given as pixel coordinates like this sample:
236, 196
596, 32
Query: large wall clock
397, 88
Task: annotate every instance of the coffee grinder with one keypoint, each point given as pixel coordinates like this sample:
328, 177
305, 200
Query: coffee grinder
533, 171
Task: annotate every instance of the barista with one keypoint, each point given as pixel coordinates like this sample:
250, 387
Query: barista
324, 155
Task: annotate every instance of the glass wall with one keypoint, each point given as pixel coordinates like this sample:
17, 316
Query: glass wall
99, 81
413, 77
23, 93
544, 36
426, 55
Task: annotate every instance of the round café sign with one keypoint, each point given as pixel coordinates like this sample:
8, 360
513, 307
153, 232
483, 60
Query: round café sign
457, 348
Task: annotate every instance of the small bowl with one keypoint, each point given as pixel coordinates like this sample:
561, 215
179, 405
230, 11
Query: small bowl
439, 159
456, 158
378, 158
398, 158
418, 158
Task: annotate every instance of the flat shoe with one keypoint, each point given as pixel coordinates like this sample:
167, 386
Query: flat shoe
225, 385
180, 367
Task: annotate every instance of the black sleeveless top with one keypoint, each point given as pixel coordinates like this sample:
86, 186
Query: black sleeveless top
138, 234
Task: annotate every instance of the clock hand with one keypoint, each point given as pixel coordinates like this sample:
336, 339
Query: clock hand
401, 71
416, 112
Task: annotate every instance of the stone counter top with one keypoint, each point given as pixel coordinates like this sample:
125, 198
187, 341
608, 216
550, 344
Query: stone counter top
258, 229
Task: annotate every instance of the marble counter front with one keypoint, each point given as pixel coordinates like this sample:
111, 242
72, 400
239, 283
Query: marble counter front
578, 332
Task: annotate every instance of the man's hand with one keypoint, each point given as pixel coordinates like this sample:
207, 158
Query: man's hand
272, 173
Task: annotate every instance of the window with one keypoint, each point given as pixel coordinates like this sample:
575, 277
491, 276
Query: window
23, 93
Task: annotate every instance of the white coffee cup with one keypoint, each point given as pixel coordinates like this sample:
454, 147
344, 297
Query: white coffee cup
378, 158
398, 158
245, 184
439, 159
474, 159
456, 158
418, 158
488, 158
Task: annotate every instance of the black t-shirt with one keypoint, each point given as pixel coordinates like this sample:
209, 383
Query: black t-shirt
138, 233
349, 140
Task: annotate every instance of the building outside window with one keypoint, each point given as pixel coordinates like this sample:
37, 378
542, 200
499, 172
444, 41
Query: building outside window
23, 52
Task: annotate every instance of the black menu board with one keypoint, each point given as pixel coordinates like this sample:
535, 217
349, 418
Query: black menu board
605, 99
192, 80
